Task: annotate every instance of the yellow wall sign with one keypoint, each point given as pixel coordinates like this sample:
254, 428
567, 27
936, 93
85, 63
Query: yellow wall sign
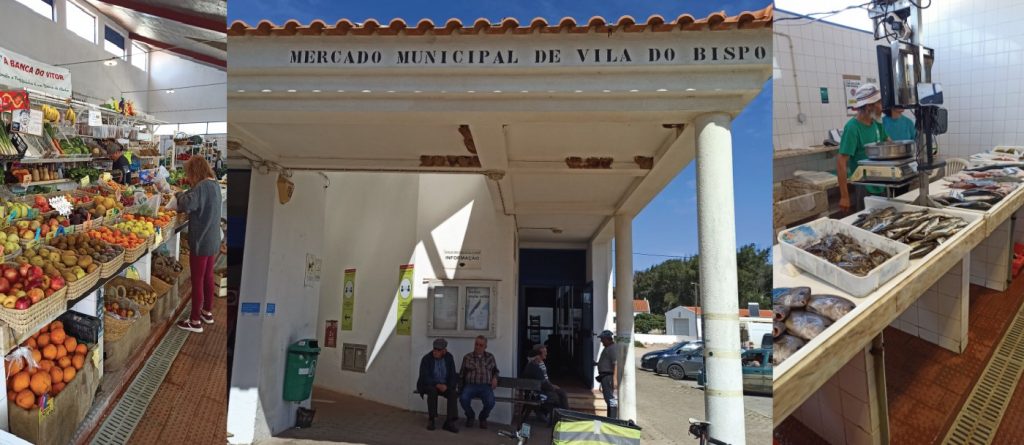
404, 295
348, 299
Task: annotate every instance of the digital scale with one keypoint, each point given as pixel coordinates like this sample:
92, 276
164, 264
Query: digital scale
891, 171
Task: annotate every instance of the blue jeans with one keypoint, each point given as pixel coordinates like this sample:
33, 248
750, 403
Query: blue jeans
477, 391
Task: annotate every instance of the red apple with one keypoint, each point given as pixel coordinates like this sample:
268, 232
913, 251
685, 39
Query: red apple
4, 285
24, 269
17, 286
23, 303
57, 283
45, 282
37, 272
10, 274
36, 294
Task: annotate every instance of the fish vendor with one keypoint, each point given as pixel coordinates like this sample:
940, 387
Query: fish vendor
898, 126
860, 130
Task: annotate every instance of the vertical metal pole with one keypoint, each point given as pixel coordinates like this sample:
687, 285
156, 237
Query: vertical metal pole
882, 399
716, 223
624, 315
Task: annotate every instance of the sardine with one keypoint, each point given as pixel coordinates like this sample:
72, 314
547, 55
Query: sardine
831, 307
785, 346
778, 328
781, 311
806, 325
792, 297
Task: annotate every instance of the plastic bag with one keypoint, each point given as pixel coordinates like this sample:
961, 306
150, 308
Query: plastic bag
20, 358
148, 205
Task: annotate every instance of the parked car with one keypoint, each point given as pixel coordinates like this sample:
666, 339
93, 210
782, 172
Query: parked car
683, 365
649, 361
757, 371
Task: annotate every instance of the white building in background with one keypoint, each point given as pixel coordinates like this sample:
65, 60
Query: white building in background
686, 321
502, 175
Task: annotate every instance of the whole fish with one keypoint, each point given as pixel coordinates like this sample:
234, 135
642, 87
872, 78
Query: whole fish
780, 312
792, 297
785, 346
831, 307
778, 328
806, 325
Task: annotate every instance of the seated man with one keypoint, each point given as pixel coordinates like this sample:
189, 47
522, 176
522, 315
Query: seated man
537, 370
479, 378
437, 377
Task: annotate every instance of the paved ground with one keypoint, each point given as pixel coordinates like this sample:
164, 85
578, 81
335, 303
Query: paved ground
664, 405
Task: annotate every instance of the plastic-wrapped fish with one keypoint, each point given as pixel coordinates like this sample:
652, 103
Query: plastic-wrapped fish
785, 346
830, 306
791, 297
806, 325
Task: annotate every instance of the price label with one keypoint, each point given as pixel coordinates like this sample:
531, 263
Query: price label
96, 357
84, 181
159, 238
112, 213
105, 176
46, 406
61, 205
132, 273
95, 118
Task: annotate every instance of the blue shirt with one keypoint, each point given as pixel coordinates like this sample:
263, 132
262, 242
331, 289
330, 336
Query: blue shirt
440, 373
899, 129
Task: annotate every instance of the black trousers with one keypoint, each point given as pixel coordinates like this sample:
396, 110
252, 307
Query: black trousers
453, 403
558, 398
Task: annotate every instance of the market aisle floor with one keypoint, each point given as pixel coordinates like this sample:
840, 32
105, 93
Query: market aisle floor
191, 404
927, 385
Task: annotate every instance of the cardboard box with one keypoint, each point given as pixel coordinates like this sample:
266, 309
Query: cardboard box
57, 423
116, 353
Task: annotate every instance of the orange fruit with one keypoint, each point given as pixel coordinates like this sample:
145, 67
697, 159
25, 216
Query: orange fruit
64, 362
31, 342
57, 325
15, 365
40, 383
78, 361
45, 365
57, 388
50, 352
43, 340
56, 374
20, 381
44, 329
57, 336
25, 399
11, 395
70, 344
69, 374
61, 351
81, 348
36, 355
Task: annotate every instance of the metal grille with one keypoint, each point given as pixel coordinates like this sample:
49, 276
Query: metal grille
980, 416
120, 424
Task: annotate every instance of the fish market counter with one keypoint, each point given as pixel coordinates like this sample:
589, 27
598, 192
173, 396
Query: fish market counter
832, 383
992, 260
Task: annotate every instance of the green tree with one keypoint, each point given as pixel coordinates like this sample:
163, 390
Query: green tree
645, 323
670, 283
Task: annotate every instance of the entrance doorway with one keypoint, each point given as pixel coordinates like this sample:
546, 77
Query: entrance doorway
556, 309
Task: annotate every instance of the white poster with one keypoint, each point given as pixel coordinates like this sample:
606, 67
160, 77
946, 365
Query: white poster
28, 121
478, 308
850, 85
18, 71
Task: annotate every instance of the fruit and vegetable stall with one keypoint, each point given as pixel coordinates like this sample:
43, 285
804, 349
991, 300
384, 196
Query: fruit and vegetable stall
92, 270
840, 283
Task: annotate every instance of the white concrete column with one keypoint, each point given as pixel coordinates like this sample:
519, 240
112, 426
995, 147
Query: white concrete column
716, 224
624, 315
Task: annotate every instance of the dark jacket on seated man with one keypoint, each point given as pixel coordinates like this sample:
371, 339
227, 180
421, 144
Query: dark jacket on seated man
438, 368
426, 379
536, 369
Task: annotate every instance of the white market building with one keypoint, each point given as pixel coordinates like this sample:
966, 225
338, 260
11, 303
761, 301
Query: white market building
500, 159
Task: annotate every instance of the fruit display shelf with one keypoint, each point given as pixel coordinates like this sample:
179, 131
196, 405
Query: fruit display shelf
66, 160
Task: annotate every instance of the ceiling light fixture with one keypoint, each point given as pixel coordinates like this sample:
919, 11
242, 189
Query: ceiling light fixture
169, 91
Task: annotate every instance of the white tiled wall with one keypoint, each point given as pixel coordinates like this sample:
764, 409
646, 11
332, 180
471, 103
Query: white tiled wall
979, 60
940, 314
822, 53
990, 260
841, 411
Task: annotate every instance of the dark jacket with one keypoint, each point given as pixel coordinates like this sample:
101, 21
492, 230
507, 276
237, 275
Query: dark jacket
427, 372
534, 372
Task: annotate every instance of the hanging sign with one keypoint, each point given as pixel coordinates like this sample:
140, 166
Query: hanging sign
13, 100
28, 121
95, 118
404, 295
461, 259
18, 71
331, 334
348, 299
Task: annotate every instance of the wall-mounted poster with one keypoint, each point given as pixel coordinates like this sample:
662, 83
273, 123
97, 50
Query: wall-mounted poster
404, 295
348, 299
478, 308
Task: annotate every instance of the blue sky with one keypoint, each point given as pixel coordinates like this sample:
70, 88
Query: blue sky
668, 226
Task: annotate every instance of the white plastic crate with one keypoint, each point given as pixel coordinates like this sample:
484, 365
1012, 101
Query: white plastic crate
856, 286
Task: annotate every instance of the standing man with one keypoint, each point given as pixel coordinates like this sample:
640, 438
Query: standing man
608, 372
437, 378
480, 378
859, 131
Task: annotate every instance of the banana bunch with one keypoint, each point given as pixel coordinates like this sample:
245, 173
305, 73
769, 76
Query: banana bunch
70, 116
50, 114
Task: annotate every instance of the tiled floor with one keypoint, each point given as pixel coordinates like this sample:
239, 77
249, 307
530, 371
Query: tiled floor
191, 405
927, 384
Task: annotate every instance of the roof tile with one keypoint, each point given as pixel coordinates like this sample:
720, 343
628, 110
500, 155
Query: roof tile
718, 21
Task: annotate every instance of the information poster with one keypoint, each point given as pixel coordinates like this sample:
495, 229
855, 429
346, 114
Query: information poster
446, 307
478, 308
850, 85
404, 296
348, 299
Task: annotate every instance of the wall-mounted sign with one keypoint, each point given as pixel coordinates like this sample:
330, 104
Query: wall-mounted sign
28, 121
331, 334
13, 100
850, 85
95, 118
312, 270
824, 95
348, 299
461, 259
18, 71
404, 296
249, 309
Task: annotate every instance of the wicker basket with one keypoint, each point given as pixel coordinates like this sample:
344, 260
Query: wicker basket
9, 257
132, 255
117, 285
115, 327
78, 287
26, 322
111, 267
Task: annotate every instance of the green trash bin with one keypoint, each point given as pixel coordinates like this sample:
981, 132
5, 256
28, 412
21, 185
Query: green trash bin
300, 367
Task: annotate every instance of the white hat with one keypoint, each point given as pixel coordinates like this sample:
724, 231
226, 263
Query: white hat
867, 93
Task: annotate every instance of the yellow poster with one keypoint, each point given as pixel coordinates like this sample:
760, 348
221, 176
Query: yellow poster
348, 299
404, 295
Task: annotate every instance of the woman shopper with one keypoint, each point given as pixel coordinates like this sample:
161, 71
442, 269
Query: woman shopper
202, 202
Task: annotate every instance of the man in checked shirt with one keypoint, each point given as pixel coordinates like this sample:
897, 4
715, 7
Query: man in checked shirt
480, 377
